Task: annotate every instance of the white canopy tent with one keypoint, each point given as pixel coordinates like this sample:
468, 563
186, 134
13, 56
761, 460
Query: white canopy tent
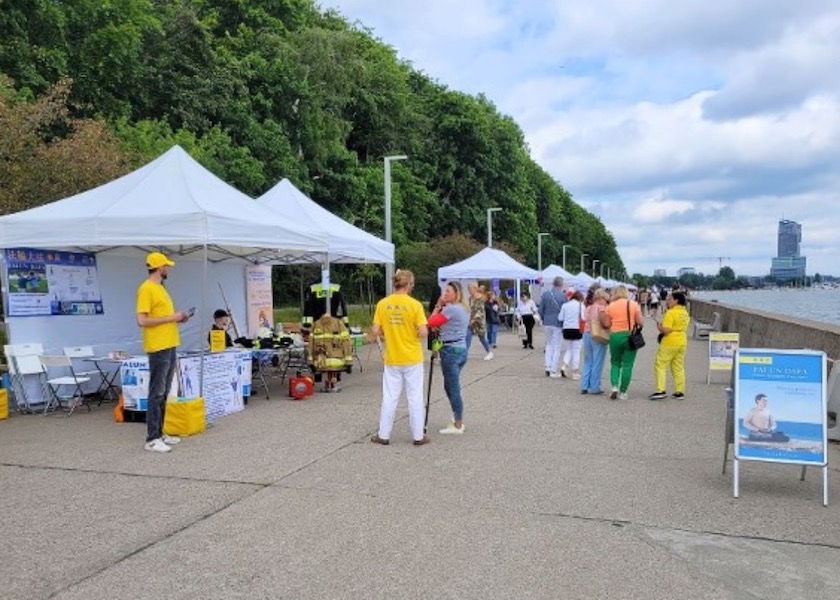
172, 204
347, 243
489, 263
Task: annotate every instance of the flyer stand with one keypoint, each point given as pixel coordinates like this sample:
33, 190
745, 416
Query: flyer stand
722, 347
779, 412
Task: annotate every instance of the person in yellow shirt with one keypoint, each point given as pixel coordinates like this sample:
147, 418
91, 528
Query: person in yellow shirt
671, 353
158, 319
400, 320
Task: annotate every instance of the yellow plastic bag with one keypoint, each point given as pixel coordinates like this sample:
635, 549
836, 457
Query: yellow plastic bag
184, 417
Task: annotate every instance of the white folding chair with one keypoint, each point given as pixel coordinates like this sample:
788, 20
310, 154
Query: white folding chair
96, 373
23, 362
56, 384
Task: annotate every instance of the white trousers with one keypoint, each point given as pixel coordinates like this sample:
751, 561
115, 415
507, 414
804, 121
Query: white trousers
394, 379
553, 343
572, 357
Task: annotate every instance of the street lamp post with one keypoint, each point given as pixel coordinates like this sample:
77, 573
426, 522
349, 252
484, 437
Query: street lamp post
582, 256
539, 250
564, 254
602, 270
490, 212
594, 262
389, 267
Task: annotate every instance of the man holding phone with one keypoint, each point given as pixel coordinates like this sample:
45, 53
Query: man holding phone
157, 318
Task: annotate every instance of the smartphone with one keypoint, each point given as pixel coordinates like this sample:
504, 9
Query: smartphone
191, 311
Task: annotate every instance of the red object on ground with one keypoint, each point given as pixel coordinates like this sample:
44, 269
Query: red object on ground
301, 387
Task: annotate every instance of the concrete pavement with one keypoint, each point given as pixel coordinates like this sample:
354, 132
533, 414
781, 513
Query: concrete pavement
548, 494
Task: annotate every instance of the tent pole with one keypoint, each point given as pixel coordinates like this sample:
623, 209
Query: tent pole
201, 312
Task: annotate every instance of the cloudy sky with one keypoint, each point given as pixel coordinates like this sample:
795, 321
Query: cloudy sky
690, 128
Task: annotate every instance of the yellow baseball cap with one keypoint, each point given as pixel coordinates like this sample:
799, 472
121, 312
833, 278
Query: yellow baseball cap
156, 260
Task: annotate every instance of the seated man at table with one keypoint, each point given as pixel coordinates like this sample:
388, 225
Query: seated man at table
221, 322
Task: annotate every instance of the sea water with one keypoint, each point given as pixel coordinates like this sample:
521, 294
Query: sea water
807, 303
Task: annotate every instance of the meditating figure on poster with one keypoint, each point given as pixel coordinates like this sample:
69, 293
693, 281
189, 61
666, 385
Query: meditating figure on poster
762, 424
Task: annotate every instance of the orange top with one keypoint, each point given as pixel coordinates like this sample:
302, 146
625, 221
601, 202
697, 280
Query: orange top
617, 310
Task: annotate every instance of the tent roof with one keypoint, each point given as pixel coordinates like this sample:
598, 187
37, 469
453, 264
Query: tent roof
552, 271
171, 202
488, 264
347, 243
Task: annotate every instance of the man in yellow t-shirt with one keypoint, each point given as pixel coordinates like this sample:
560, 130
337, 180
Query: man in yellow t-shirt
157, 318
673, 329
400, 320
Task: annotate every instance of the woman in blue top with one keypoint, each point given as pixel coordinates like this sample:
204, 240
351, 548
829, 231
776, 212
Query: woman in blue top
451, 318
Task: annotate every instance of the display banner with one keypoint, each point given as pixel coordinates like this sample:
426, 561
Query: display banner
259, 298
245, 358
780, 406
722, 347
49, 282
222, 382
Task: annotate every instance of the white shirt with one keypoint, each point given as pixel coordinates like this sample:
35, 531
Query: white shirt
571, 314
526, 308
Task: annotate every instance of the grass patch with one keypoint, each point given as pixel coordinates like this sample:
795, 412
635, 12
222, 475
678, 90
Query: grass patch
359, 315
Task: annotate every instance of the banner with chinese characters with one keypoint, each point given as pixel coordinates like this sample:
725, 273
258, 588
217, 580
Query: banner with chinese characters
51, 282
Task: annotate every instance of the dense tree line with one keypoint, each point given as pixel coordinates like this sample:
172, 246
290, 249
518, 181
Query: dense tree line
258, 90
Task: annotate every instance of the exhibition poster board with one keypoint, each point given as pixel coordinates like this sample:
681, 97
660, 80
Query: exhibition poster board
51, 282
722, 347
780, 408
259, 299
223, 393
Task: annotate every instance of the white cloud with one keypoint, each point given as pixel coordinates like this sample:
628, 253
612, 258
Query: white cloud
689, 128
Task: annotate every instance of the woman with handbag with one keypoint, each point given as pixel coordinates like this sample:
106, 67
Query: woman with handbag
673, 342
622, 316
570, 317
595, 341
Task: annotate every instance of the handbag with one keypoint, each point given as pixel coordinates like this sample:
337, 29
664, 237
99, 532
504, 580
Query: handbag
636, 339
597, 332
581, 321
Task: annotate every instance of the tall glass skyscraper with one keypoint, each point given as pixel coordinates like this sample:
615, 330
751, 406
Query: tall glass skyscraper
788, 264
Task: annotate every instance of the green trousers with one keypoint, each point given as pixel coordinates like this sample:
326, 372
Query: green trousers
622, 358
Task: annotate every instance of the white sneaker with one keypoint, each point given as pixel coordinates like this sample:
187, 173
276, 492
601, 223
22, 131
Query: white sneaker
170, 440
452, 429
556, 376
622, 396
489, 356
575, 376
157, 446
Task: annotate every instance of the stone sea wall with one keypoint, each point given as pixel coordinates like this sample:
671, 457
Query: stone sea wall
759, 329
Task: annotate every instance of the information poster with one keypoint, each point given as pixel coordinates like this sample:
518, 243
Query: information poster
780, 406
722, 347
245, 361
222, 382
49, 282
134, 380
259, 298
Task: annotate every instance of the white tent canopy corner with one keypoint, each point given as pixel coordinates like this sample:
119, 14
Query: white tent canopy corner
347, 243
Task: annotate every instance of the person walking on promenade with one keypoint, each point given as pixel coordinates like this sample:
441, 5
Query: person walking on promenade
157, 318
671, 353
451, 318
594, 348
491, 312
478, 320
571, 314
526, 309
550, 303
622, 356
400, 320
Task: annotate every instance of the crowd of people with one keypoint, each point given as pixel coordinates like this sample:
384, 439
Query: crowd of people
579, 330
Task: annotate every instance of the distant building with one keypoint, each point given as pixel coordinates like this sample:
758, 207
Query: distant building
659, 273
686, 271
788, 264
